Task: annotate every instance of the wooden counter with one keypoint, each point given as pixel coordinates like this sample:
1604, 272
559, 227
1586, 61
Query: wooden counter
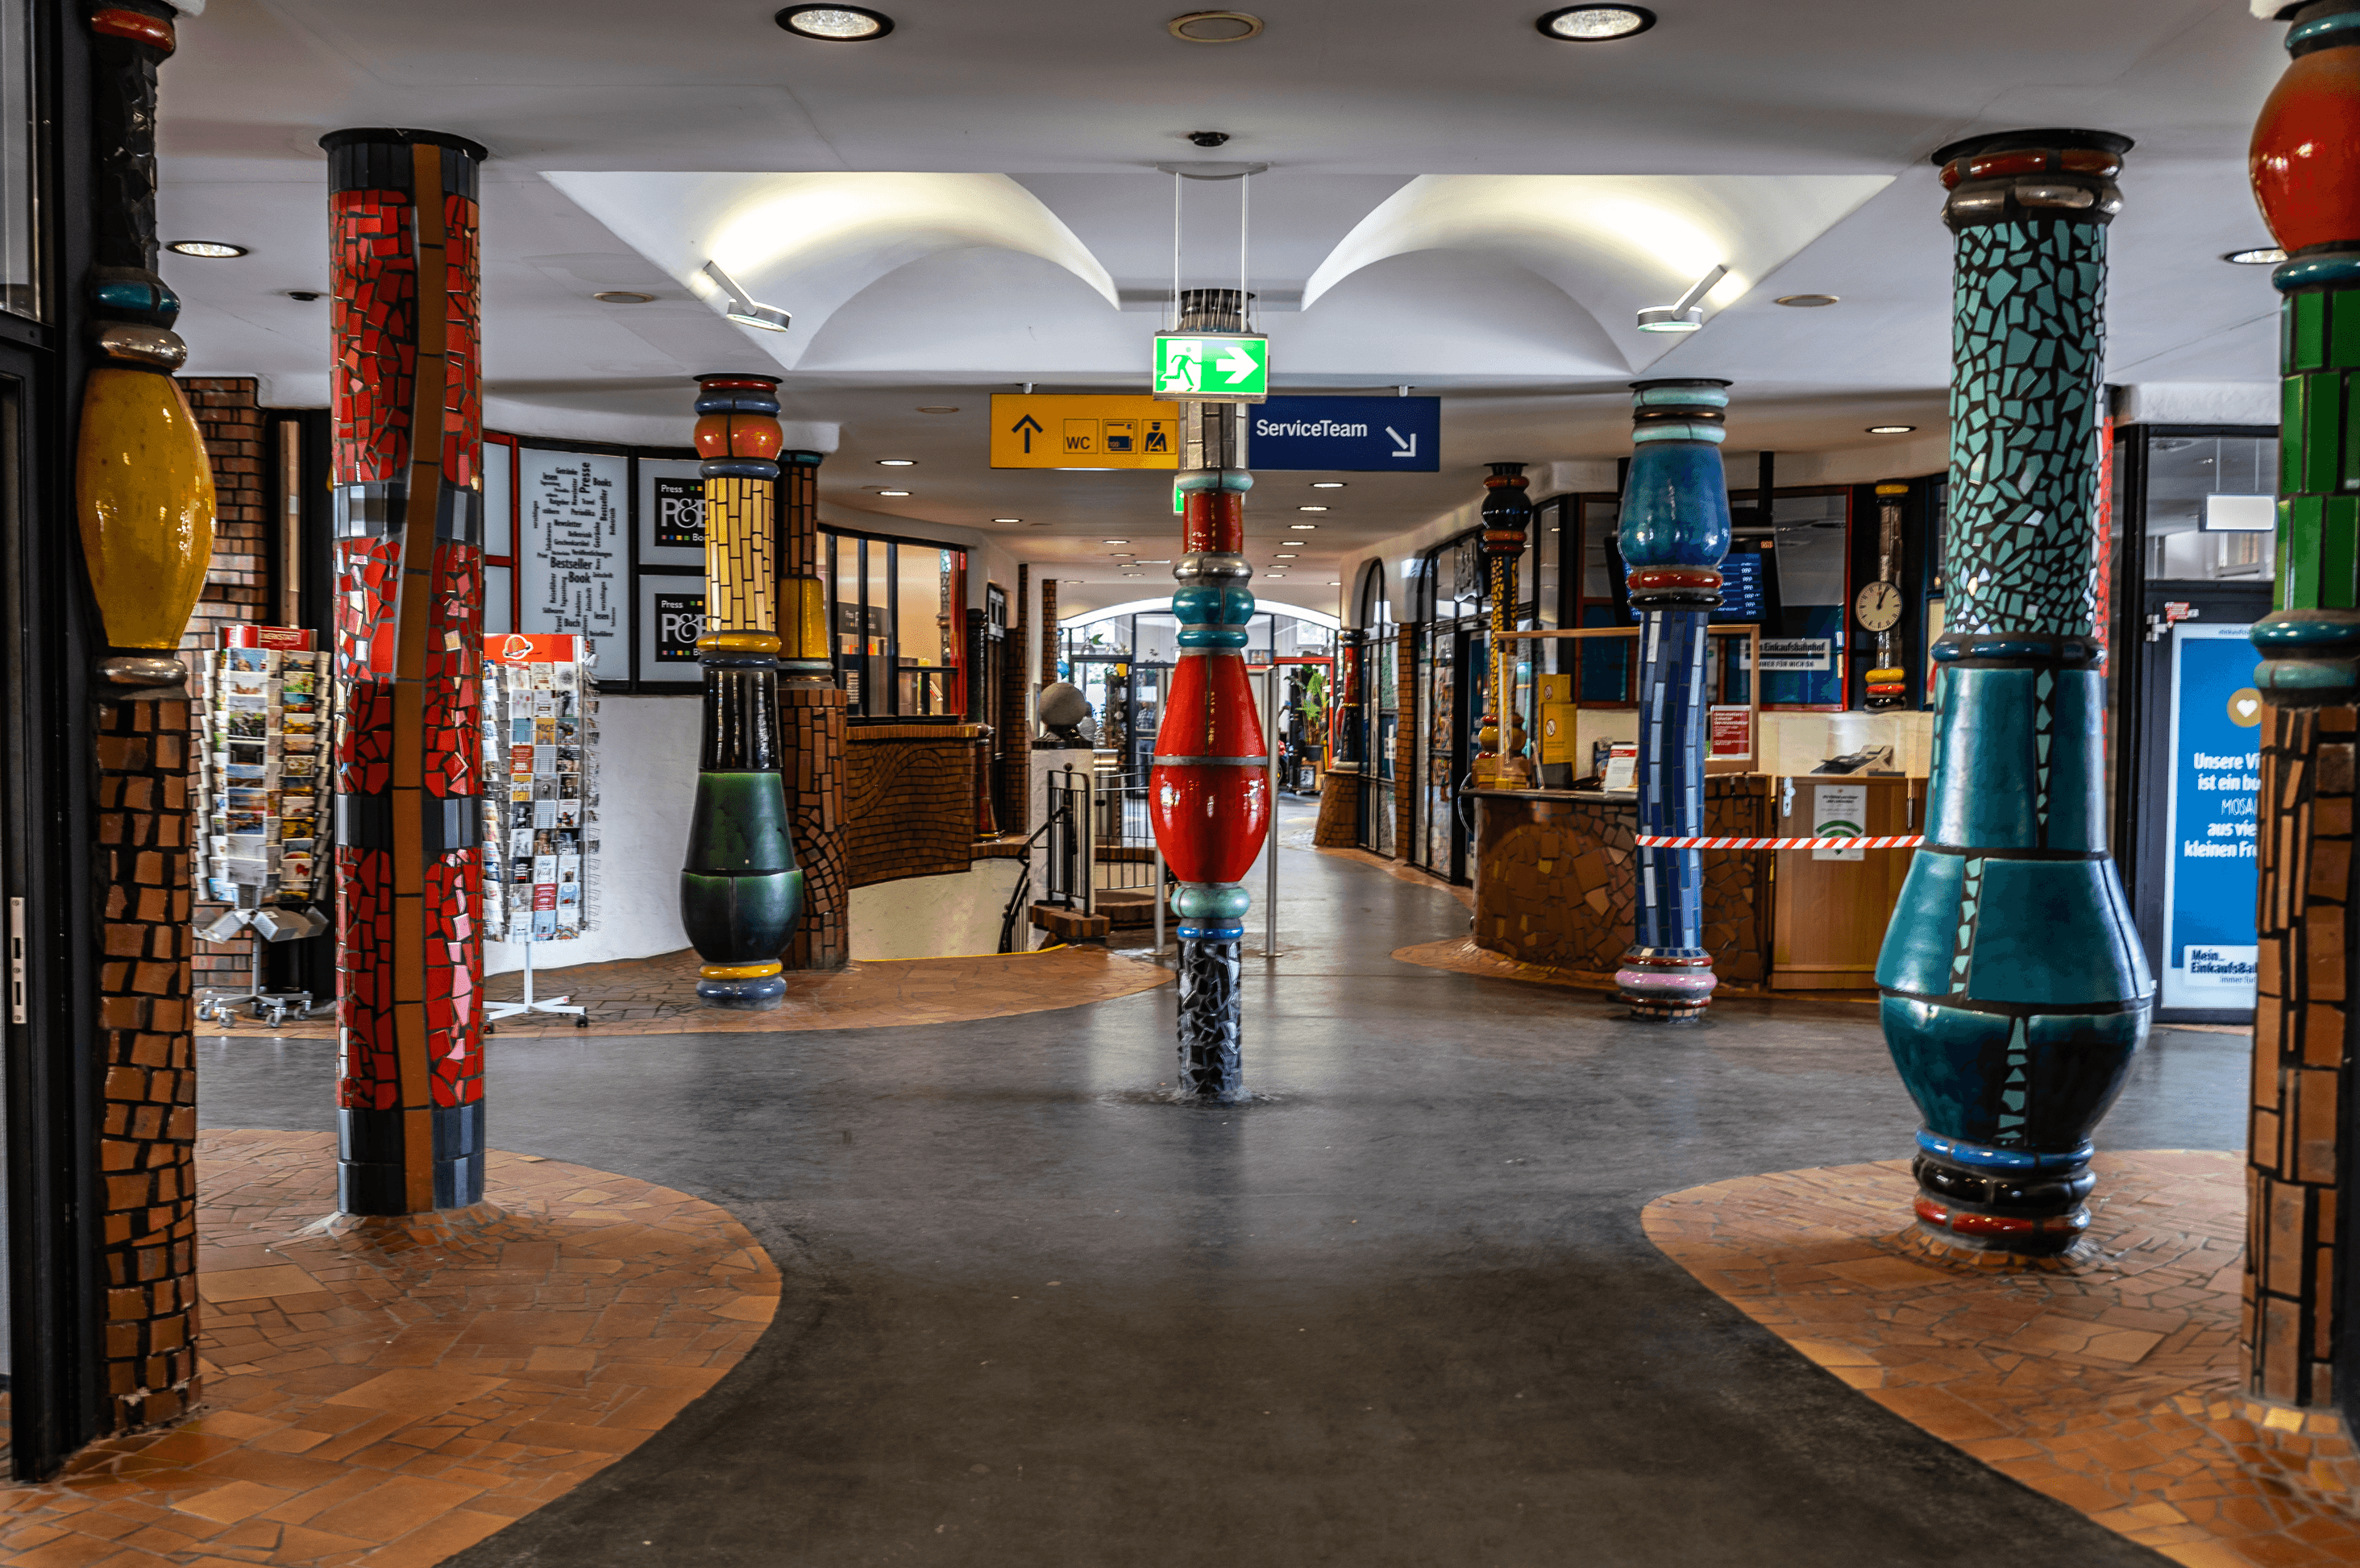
1556, 879
1829, 916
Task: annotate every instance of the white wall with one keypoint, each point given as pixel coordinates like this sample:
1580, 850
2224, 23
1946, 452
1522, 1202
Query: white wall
950, 916
647, 784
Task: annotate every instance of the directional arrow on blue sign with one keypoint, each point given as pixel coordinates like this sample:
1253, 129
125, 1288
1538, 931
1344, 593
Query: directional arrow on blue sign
1399, 435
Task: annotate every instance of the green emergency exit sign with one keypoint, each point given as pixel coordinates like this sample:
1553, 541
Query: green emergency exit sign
1212, 367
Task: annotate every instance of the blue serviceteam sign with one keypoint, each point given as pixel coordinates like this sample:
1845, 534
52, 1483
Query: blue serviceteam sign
2213, 867
1366, 435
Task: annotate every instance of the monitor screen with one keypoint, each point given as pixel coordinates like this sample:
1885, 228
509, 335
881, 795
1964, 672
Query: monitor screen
1746, 592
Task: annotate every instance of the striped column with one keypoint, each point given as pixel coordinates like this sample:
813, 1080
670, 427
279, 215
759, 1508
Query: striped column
1208, 791
407, 474
740, 889
1675, 531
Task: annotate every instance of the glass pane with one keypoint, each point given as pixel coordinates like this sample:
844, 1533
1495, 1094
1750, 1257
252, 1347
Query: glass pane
499, 491
19, 273
2211, 507
1548, 548
499, 593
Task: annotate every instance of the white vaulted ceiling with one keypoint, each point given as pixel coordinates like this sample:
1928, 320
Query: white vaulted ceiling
1453, 202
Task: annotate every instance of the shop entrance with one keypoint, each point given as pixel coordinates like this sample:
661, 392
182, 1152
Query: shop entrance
1451, 658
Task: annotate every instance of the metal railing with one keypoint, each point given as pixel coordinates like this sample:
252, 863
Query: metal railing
1094, 837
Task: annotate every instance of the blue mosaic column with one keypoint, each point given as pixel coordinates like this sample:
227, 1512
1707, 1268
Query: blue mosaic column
2014, 990
1674, 532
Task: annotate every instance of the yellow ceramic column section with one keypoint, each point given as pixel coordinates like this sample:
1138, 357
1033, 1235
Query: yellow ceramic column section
739, 613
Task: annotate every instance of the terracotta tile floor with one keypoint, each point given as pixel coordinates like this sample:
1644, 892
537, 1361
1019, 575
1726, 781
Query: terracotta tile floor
386, 1394
657, 996
2109, 1386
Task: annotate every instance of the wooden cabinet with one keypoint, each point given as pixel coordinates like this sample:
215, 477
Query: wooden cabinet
1828, 917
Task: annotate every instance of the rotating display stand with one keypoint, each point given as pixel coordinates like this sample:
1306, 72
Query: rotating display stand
541, 802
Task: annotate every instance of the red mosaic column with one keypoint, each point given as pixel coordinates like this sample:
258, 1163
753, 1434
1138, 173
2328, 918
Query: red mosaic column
410, 1094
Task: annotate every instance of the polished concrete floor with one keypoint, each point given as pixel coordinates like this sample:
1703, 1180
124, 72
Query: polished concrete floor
1401, 1310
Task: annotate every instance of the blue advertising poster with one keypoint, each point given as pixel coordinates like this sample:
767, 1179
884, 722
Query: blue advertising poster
2211, 870
1365, 435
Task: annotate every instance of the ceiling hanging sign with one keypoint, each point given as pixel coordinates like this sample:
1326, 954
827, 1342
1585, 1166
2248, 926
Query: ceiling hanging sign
1050, 431
1355, 435
1212, 367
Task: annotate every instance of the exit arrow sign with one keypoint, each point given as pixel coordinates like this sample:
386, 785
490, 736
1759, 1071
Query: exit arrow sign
1212, 367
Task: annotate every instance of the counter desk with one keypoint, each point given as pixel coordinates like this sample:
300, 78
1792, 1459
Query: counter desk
1556, 880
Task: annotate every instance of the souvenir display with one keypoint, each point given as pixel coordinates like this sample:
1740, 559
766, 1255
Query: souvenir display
541, 788
261, 782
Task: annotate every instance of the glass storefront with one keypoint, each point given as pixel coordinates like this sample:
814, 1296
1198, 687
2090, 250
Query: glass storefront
898, 610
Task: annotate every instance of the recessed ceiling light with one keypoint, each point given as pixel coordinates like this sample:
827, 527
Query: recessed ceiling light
1287, 556
1114, 541
1806, 302
1134, 575
1310, 508
1213, 27
212, 250
304, 296
2264, 255
1007, 520
1302, 528
622, 297
892, 492
938, 409
835, 23
896, 463
1327, 485
1890, 430
1069, 579
1596, 23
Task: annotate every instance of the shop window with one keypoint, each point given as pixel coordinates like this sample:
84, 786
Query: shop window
2211, 507
899, 611
21, 292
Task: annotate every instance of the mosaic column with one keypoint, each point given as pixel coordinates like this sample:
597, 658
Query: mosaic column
2306, 172
1674, 532
740, 890
2014, 990
1499, 743
144, 494
1208, 792
409, 496
812, 727
1015, 739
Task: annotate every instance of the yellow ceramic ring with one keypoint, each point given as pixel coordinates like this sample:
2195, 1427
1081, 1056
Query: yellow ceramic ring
738, 642
738, 970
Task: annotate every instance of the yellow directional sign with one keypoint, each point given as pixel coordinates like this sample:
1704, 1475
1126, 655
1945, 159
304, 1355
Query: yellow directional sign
1046, 431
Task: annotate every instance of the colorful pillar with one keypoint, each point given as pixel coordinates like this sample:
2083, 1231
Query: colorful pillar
2014, 991
740, 890
143, 494
408, 492
1500, 744
2306, 171
1208, 792
1675, 530
812, 709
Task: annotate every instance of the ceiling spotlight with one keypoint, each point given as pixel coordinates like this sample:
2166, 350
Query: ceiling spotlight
1114, 541
1208, 138
2265, 255
1213, 27
1074, 580
1310, 508
1287, 556
1327, 485
835, 23
1333, 584
1806, 302
212, 250
1302, 528
622, 297
938, 409
1596, 23
304, 296
896, 463
892, 492
1134, 575
1688, 315
1890, 430
742, 309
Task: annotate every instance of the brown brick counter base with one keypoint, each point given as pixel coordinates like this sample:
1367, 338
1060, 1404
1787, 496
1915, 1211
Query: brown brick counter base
392, 1391
909, 800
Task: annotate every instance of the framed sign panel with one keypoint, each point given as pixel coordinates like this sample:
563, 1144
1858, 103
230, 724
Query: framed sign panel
572, 560
672, 512
671, 617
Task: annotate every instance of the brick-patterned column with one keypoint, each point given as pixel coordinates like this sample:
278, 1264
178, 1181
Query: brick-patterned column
2300, 1054
811, 727
1048, 630
148, 1152
1406, 754
2307, 179
1015, 734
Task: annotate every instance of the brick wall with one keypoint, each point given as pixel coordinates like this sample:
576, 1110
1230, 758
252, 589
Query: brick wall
909, 800
2301, 1025
812, 755
238, 586
147, 1148
1015, 741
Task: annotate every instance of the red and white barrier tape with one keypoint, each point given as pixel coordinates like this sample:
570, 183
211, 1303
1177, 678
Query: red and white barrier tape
1650, 840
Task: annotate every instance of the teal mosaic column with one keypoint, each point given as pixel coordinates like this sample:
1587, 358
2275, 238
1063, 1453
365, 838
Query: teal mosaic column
2014, 989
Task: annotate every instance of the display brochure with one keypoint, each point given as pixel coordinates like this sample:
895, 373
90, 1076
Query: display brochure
541, 788
260, 785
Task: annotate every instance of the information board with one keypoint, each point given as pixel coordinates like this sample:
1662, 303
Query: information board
1044, 429
671, 512
2211, 870
572, 561
1351, 435
1744, 589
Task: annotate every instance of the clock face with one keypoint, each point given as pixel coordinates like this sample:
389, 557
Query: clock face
1878, 606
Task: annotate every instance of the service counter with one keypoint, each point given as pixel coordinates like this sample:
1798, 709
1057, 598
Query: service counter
1556, 874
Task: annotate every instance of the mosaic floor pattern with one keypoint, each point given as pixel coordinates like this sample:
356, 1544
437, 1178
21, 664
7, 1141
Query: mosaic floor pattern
2109, 1386
388, 1394
657, 996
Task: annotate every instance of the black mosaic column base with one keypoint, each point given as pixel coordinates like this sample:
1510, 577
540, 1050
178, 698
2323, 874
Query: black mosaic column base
372, 1164
1212, 1054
